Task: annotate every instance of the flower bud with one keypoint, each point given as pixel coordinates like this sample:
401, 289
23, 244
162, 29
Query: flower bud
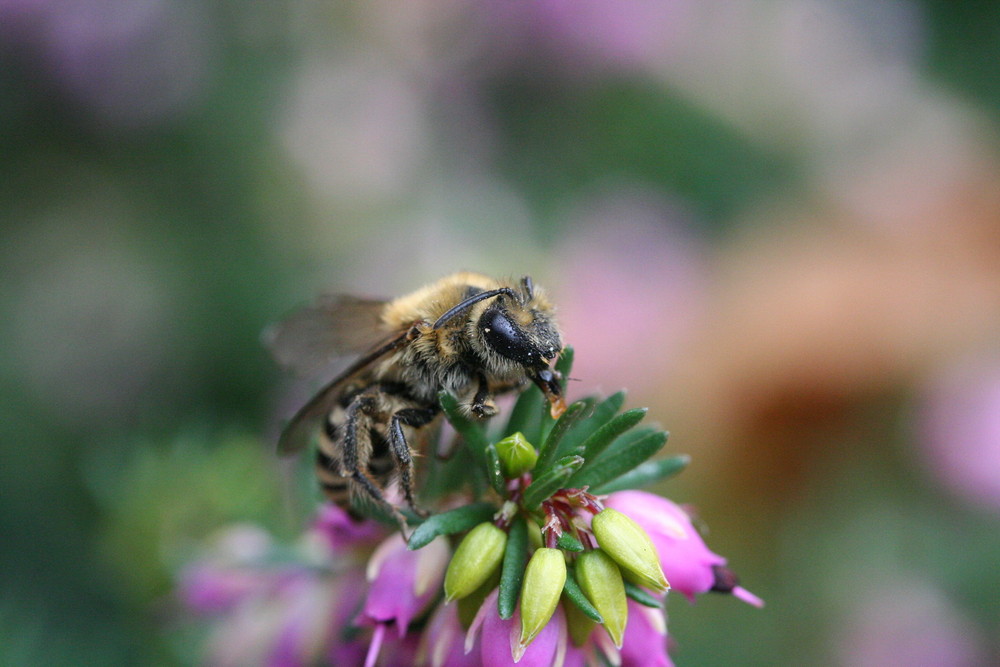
517, 456
629, 546
469, 606
601, 581
544, 579
535, 539
476, 559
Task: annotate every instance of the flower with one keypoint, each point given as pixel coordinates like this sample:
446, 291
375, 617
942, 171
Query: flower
443, 642
500, 641
272, 613
402, 583
543, 574
645, 641
687, 562
341, 532
959, 430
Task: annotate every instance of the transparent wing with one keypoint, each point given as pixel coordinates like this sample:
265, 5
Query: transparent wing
305, 424
309, 339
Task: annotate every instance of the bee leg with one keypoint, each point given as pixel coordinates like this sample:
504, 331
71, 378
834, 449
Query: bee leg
415, 417
358, 448
483, 406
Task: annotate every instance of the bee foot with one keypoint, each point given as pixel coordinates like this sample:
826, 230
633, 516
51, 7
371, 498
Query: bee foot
484, 410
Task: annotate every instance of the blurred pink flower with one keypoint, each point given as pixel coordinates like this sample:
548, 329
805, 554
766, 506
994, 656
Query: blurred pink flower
342, 532
629, 267
232, 572
127, 63
402, 583
959, 430
908, 624
690, 567
589, 34
443, 641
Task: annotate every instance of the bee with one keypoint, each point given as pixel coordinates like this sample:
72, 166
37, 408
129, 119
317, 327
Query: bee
468, 334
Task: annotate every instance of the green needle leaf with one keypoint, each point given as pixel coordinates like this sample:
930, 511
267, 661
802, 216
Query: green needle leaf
569, 543
604, 436
495, 471
572, 590
646, 474
472, 432
514, 560
604, 411
550, 447
545, 485
449, 523
615, 463
526, 413
641, 596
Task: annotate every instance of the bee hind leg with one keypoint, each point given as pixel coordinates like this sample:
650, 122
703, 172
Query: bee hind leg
415, 417
358, 452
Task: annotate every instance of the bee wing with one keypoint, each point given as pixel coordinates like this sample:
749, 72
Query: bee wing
303, 426
309, 339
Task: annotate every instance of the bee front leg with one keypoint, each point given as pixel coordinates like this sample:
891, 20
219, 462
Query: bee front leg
482, 405
415, 417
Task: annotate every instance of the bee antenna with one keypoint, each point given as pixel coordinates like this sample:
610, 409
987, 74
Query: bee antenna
475, 298
529, 287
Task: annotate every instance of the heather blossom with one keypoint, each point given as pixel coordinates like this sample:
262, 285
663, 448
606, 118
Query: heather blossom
549, 557
689, 565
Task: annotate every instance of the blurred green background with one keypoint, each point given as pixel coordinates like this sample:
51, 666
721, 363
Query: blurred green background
777, 223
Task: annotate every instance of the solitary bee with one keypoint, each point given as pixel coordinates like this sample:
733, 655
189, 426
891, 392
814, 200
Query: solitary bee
468, 334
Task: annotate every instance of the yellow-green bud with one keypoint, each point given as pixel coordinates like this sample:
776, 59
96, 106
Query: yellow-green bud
517, 456
469, 606
629, 546
535, 539
601, 581
580, 625
476, 559
544, 579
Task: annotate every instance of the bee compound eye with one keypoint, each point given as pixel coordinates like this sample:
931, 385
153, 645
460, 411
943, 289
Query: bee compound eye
501, 334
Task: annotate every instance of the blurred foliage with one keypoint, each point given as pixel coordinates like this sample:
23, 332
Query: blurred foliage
628, 125
964, 48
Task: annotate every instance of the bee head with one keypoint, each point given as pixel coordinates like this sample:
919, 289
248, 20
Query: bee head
520, 329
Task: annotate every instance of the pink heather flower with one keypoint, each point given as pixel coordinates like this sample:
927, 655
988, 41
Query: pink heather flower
402, 583
232, 573
276, 614
349, 593
689, 565
499, 641
342, 533
645, 642
443, 643
208, 589
280, 625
